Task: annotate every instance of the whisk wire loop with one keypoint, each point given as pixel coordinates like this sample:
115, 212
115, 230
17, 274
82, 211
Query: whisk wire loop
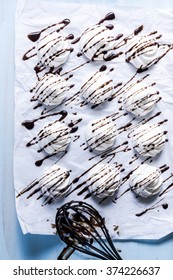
81, 227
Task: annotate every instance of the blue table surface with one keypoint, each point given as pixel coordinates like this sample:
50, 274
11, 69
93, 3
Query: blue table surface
13, 244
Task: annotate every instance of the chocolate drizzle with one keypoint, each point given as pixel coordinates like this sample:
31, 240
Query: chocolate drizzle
109, 16
154, 206
81, 183
138, 30
39, 162
73, 126
29, 124
34, 36
29, 54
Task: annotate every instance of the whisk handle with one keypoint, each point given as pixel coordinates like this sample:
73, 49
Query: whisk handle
66, 253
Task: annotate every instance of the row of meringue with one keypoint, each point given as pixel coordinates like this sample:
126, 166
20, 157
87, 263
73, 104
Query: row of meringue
97, 43
148, 139
103, 181
138, 98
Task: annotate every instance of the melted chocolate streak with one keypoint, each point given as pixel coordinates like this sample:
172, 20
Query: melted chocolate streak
29, 124
40, 162
154, 206
34, 36
144, 121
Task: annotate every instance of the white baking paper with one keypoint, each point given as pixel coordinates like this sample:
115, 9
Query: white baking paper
120, 214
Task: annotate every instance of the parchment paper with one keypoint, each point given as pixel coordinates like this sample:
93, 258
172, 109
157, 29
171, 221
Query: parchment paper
120, 213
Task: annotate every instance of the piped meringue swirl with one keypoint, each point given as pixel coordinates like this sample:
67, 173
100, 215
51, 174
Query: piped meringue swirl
97, 43
104, 180
140, 98
98, 88
148, 139
52, 49
142, 51
55, 181
101, 134
54, 138
146, 180
51, 90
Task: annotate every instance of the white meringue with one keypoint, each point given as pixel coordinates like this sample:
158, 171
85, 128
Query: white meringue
51, 90
97, 43
101, 134
148, 139
55, 181
146, 180
139, 98
54, 138
104, 180
98, 88
141, 51
52, 49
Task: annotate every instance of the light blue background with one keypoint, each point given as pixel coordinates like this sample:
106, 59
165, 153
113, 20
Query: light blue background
13, 244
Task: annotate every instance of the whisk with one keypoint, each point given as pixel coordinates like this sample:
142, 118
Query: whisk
81, 227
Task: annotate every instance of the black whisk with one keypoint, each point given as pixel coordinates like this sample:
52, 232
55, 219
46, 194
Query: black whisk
81, 227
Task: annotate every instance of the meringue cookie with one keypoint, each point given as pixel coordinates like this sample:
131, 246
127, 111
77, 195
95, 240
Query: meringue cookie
104, 180
55, 181
96, 42
140, 99
54, 138
141, 51
50, 90
52, 49
148, 139
146, 180
98, 88
101, 134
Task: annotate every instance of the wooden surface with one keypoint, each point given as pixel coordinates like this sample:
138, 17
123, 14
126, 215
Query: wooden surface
13, 244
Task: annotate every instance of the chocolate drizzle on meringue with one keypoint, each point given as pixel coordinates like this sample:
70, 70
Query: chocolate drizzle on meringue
98, 87
53, 178
46, 56
145, 51
51, 89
